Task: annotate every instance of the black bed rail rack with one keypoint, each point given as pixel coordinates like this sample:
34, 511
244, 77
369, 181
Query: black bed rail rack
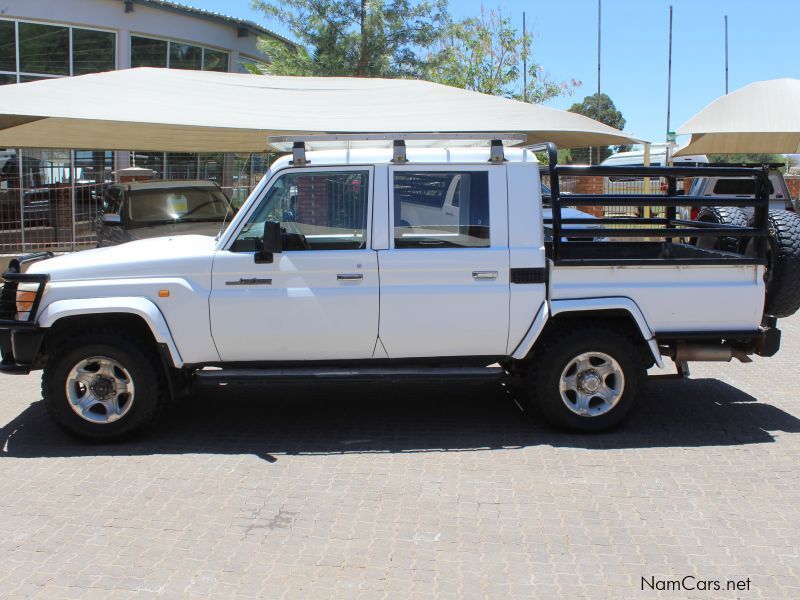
671, 230
21, 311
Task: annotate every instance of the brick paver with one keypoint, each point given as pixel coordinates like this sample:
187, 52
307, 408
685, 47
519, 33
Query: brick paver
407, 491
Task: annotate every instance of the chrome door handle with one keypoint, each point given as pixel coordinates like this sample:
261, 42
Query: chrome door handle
349, 277
484, 274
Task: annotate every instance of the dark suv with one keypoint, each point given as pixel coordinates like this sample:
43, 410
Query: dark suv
147, 209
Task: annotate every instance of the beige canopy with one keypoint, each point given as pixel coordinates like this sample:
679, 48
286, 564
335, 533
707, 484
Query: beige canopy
760, 117
193, 111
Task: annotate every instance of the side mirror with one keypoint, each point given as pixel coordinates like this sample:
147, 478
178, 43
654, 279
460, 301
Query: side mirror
112, 220
271, 244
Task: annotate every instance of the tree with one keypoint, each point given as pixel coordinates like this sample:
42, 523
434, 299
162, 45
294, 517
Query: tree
484, 54
758, 159
600, 108
365, 38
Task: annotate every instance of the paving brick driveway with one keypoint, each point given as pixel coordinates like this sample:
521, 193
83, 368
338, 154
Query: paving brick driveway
400, 491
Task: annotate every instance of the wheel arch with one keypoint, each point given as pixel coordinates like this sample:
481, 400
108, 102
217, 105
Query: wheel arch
139, 313
625, 310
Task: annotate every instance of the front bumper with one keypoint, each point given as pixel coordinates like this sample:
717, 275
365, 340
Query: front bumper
20, 338
19, 348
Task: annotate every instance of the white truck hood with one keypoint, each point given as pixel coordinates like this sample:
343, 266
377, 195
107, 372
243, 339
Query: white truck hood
164, 257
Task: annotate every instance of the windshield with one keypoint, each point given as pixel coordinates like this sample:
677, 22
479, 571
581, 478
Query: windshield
176, 205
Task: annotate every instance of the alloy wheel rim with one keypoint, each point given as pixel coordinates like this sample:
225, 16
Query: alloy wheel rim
100, 390
591, 384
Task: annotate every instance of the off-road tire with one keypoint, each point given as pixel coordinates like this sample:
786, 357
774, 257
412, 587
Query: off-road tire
721, 215
139, 358
782, 278
555, 352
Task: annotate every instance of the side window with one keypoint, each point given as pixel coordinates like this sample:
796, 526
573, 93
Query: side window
317, 211
441, 209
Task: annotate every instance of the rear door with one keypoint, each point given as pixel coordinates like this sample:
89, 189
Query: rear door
445, 276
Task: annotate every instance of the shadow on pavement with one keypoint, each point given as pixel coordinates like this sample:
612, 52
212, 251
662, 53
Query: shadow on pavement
333, 419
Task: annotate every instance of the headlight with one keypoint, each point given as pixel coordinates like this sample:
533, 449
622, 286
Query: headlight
25, 299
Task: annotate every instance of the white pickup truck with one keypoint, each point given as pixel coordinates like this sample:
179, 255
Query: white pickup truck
343, 265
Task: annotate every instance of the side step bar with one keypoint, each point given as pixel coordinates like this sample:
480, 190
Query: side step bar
304, 375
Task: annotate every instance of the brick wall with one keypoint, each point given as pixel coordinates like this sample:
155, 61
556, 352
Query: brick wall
793, 183
591, 186
312, 200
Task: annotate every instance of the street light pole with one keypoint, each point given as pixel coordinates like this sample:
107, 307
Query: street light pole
726, 54
669, 85
524, 59
597, 97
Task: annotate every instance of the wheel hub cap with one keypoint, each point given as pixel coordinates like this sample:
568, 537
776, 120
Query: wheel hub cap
103, 387
589, 381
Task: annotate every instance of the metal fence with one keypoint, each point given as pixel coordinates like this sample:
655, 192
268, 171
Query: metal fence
50, 200
619, 186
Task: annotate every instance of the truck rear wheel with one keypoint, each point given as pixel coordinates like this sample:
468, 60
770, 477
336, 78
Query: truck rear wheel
103, 386
585, 379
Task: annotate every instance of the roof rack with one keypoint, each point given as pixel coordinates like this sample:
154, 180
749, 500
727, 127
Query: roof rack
299, 143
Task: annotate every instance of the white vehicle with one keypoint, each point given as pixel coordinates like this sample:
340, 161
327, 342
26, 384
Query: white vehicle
658, 158
331, 271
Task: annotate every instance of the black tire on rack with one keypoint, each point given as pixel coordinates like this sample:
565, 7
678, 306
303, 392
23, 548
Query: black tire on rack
721, 215
783, 264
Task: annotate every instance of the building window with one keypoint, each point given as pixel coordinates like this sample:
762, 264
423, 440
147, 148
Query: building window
151, 52
147, 52
214, 60
93, 51
53, 51
43, 49
185, 56
8, 47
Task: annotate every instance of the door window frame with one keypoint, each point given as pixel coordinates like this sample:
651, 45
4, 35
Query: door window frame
370, 169
494, 241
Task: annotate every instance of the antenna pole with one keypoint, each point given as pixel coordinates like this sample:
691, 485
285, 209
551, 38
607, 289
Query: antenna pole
726, 54
524, 59
669, 70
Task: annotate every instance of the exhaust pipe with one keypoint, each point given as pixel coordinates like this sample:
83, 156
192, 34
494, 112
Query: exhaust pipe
689, 352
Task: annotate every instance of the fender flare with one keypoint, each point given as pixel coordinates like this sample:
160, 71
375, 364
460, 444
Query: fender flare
141, 307
589, 305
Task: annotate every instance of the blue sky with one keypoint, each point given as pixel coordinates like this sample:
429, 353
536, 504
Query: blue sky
762, 45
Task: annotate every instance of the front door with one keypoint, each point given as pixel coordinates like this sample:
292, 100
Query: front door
445, 277
318, 300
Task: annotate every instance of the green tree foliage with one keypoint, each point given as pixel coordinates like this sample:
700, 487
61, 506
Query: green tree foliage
485, 54
758, 159
365, 38
600, 108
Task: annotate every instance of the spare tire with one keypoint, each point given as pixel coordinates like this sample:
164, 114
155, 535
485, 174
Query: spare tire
783, 263
722, 215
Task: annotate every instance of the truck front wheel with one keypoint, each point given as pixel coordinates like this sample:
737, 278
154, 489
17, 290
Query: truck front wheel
585, 379
103, 385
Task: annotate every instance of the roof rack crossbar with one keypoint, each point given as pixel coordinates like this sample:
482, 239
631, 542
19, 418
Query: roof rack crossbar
497, 140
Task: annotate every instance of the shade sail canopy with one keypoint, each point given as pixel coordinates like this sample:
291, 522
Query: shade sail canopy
193, 111
760, 117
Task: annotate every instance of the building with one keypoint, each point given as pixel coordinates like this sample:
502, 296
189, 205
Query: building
46, 38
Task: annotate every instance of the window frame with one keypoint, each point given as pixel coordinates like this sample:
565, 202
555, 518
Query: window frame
289, 170
494, 241
170, 41
20, 74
